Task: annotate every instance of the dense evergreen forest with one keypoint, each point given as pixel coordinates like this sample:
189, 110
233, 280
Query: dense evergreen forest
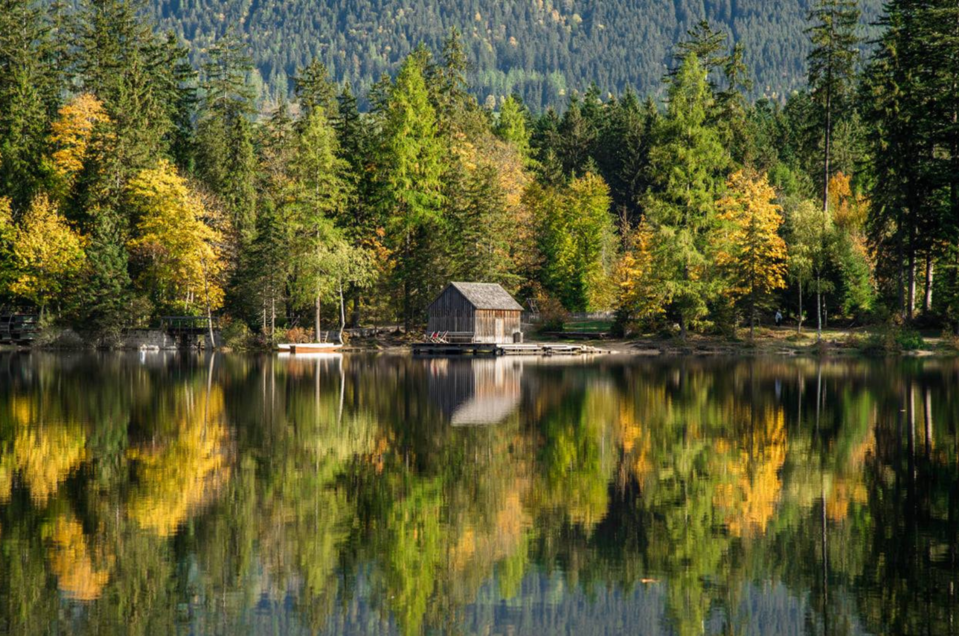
135, 184
539, 50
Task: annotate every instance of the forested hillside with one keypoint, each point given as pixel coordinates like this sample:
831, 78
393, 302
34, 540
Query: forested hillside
135, 185
538, 49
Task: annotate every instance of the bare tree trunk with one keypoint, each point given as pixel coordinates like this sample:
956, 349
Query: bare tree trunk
316, 319
927, 300
342, 313
355, 319
272, 316
911, 299
818, 309
799, 321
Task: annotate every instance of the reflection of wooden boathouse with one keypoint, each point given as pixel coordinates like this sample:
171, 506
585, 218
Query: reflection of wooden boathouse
475, 392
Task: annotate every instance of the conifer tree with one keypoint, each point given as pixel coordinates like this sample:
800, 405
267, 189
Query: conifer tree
688, 164
29, 94
313, 88
224, 150
511, 125
323, 193
832, 67
412, 168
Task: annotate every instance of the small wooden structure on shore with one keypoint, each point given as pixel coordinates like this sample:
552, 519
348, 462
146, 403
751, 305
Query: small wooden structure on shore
493, 349
475, 313
19, 329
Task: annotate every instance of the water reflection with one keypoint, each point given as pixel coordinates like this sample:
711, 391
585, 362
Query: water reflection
382, 494
475, 392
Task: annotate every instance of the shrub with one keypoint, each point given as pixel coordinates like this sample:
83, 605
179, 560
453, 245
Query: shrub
552, 314
909, 340
237, 336
296, 335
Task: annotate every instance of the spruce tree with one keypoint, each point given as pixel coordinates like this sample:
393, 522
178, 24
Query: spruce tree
688, 166
832, 69
412, 166
29, 94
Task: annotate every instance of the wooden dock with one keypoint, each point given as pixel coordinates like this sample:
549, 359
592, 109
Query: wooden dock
488, 349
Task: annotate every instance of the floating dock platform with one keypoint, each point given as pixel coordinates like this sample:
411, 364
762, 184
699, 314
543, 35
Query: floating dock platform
489, 349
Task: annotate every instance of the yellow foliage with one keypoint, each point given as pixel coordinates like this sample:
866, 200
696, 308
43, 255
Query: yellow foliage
183, 260
45, 454
848, 210
70, 560
751, 491
750, 247
641, 293
181, 474
6, 478
73, 131
47, 250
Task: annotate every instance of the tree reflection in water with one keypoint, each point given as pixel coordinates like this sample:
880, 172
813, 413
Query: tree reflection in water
381, 494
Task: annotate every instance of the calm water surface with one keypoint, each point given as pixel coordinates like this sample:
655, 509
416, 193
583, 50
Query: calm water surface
162, 494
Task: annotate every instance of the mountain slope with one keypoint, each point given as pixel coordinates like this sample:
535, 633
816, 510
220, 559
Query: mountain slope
537, 48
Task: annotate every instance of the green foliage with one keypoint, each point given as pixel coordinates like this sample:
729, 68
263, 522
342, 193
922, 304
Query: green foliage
542, 52
577, 242
689, 163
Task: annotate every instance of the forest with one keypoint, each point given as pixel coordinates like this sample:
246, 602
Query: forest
540, 50
134, 184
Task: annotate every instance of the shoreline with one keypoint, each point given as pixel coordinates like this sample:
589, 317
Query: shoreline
768, 343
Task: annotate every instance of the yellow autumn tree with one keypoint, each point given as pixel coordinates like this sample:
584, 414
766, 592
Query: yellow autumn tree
47, 252
8, 236
178, 250
72, 134
641, 293
750, 248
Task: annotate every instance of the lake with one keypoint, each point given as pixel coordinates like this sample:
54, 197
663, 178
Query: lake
158, 494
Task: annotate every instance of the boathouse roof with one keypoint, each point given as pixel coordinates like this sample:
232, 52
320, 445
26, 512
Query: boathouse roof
487, 296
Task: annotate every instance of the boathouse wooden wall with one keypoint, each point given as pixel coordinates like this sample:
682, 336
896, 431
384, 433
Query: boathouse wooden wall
452, 313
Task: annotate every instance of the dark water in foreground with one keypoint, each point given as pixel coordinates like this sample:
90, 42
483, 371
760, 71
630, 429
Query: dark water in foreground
159, 494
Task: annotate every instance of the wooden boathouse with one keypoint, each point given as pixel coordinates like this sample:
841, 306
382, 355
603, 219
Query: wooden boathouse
475, 313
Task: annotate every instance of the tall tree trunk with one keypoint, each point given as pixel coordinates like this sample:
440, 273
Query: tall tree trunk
818, 309
911, 298
927, 298
272, 316
342, 313
827, 147
406, 283
901, 258
317, 333
799, 321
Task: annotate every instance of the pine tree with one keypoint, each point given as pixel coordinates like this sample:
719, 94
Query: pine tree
29, 93
323, 193
314, 89
688, 164
412, 174
511, 125
224, 150
832, 68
